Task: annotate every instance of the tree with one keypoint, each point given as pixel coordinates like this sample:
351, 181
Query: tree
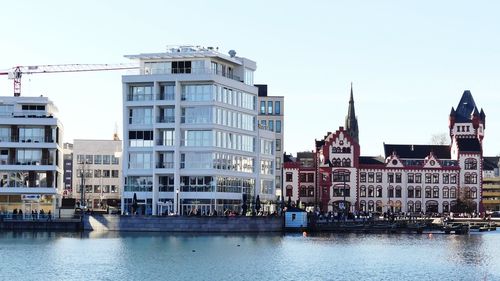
464, 205
439, 139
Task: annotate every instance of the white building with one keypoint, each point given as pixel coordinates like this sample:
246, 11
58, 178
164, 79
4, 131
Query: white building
31, 173
190, 135
96, 164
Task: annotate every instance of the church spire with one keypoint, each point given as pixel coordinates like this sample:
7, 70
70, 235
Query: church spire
351, 122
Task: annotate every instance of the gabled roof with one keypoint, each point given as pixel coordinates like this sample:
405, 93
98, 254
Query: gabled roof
371, 160
415, 151
490, 163
468, 145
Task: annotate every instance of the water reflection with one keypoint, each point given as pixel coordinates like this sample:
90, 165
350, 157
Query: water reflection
180, 256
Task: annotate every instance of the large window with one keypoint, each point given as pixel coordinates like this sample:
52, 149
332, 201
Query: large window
138, 183
31, 134
277, 107
341, 176
140, 138
197, 92
470, 164
196, 115
166, 114
167, 137
197, 138
29, 156
141, 116
140, 160
196, 160
140, 93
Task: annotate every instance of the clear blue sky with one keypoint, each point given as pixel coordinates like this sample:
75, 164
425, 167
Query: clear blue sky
410, 61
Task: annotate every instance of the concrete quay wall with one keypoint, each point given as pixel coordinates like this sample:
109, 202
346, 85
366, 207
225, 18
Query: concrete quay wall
27, 225
182, 224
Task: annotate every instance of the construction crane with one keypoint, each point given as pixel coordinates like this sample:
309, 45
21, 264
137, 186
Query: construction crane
16, 73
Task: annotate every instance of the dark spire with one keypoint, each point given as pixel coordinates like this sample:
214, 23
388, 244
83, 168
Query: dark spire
465, 107
351, 122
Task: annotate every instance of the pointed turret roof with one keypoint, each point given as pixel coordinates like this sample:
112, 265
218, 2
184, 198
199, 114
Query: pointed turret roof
466, 107
351, 122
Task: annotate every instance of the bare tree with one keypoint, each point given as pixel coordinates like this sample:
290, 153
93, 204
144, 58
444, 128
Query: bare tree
440, 139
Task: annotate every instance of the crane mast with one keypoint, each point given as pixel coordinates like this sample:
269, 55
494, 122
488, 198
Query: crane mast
16, 73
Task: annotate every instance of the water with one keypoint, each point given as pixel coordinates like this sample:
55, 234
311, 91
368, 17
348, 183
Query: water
160, 256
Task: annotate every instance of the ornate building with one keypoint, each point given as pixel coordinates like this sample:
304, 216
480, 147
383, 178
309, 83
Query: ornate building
408, 178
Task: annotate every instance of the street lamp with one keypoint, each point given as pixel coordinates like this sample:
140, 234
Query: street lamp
177, 200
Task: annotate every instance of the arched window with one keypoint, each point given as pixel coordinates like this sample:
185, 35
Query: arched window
341, 176
289, 191
410, 207
397, 206
303, 191
362, 205
379, 191
446, 192
370, 191
390, 191
418, 206
398, 192
362, 191
371, 206
431, 206
346, 162
411, 192
467, 178
453, 192
470, 164
446, 207
428, 192
473, 193
336, 162
344, 150
379, 206
473, 178
435, 192
418, 192
341, 190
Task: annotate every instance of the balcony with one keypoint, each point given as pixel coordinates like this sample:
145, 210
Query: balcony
27, 139
138, 188
165, 165
197, 188
165, 119
185, 70
26, 162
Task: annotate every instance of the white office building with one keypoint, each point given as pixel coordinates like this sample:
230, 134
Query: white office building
191, 140
31, 171
97, 168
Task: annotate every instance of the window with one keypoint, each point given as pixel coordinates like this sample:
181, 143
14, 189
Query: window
435, 178
200, 92
289, 191
390, 177
371, 191
303, 191
140, 93
262, 107
371, 177
453, 192
269, 107
411, 178
140, 138
418, 192
362, 191
470, 164
418, 178
411, 193
167, 92
428, 178
446, 178
379, 177
288, 177
181, 67
390, 191
362, 177
435, 192
167, 137
278, 145
398, 177
379, 191
141, 116
270, 125
341, 176
398, 191
277, 107
98, 159
473, 193
115, 174
106, 159
140, 160
278, 126
428, 193
446, 192
453, 178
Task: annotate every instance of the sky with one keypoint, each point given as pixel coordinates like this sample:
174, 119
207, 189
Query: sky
409, 61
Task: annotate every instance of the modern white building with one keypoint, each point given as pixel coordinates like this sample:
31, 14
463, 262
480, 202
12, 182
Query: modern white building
31, 159
97, 167
271, 117
191, 140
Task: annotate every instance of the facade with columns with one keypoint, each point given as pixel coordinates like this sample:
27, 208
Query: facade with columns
408, 178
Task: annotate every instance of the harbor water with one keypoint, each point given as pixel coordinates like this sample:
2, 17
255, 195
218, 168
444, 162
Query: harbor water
161, 256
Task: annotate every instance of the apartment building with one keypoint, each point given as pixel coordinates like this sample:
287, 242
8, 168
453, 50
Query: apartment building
31, 173
191, 143
271, 117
